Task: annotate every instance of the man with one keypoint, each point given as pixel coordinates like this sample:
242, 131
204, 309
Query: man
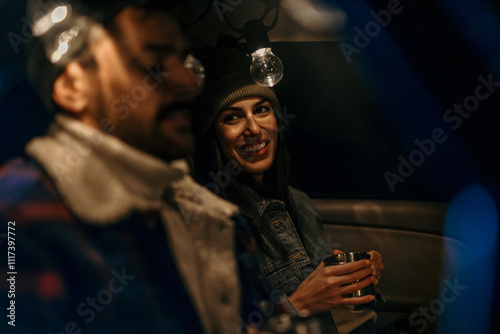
108, 233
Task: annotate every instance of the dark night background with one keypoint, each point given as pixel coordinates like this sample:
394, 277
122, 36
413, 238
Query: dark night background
352, 120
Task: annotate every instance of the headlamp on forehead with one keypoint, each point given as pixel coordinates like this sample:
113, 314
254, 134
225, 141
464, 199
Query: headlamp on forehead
60, 28
266, 68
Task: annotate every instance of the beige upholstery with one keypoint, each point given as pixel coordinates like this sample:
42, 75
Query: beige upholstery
409, 235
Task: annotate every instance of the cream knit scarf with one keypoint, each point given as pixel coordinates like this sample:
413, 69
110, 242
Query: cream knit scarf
102, 180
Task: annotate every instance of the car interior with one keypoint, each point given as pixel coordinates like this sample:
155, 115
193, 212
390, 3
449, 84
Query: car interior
392, 115
374, 94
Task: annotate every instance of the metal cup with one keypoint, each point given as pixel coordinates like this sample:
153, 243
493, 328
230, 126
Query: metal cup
343, 258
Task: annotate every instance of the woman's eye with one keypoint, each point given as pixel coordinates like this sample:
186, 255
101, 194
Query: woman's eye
230, 118
262, 109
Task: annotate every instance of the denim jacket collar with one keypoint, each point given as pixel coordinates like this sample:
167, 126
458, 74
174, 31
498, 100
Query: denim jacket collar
260, 201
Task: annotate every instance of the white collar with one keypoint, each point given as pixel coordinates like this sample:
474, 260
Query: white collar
101, 178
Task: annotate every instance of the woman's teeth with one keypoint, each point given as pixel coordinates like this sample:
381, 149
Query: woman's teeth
254, 148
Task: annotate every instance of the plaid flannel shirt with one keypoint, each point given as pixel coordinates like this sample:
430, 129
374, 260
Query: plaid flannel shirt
75, 277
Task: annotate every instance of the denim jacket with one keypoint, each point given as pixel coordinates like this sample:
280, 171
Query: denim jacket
304, 255
305, 252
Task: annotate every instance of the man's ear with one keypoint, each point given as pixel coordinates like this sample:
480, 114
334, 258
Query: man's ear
72, 88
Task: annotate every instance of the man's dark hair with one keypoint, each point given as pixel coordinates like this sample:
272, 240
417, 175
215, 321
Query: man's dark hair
42, 72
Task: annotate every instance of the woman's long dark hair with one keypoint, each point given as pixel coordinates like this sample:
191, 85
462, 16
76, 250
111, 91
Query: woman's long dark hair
274, 186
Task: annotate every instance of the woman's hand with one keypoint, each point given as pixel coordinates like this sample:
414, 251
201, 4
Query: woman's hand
325, 287
376, 265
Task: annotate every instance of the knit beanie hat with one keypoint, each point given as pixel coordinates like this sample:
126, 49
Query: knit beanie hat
227, 80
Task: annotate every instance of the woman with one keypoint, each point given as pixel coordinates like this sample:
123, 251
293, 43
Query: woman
241, 148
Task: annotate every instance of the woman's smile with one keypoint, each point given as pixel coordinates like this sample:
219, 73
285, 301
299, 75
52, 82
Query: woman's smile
247, 133
254, 149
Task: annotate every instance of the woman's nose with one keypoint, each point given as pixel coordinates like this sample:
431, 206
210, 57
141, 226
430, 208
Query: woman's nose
253, 127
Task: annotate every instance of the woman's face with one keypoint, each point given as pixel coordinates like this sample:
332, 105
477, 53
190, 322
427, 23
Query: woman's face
247, 133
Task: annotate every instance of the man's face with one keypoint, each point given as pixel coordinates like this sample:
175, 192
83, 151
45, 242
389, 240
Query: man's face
142, 90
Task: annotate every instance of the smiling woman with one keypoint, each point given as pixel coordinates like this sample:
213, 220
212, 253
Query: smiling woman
239, 125
248, 133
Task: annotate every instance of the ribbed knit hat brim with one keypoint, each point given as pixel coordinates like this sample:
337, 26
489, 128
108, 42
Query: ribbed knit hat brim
229, 89
228, 80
